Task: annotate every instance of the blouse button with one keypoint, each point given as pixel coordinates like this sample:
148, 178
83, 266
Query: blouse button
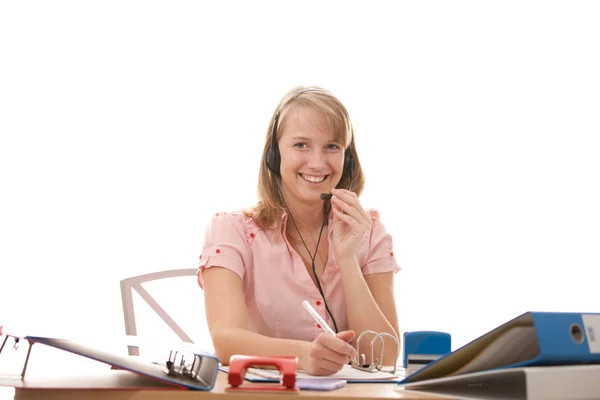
318, 302
200, 256
391, 254
251, 234
318, 326
217, 251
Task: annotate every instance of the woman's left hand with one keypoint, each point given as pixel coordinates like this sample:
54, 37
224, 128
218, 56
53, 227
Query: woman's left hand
350, 223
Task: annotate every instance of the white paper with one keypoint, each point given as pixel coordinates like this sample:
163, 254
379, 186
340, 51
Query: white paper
591, 325
347, 373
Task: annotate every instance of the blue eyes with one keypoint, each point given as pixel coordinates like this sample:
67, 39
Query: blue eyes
331, 147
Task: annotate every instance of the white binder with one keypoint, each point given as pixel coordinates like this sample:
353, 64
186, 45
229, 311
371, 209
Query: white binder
532, 383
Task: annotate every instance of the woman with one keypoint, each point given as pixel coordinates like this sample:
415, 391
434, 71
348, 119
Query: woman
258, 265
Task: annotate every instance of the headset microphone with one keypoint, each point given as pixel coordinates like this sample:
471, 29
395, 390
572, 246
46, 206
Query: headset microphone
326, 196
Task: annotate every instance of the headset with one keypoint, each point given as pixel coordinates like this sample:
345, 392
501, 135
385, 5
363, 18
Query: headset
273, 157
273, 162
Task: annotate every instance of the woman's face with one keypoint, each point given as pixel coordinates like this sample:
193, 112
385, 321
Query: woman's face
312, 161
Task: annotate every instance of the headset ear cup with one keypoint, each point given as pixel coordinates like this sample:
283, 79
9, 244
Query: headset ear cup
274, 160
269, 160
348, 165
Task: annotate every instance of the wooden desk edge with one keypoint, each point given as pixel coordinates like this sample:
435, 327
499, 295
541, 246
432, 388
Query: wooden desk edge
124, 385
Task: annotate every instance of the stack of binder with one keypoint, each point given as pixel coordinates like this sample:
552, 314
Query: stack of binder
542, 355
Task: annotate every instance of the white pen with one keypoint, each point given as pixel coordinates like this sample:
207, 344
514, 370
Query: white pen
320, 320
317, 317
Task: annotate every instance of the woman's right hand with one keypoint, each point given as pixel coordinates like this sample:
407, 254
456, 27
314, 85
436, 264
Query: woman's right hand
327, 354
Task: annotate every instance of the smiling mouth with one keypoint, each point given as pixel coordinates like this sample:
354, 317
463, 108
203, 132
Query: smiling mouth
313, 179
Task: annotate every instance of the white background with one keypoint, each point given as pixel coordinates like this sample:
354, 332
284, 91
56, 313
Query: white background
126, 124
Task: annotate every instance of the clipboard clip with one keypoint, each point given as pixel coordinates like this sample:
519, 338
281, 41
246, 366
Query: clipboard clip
376, 362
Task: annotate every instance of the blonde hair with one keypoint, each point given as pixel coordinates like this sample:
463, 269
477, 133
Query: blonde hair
268, 211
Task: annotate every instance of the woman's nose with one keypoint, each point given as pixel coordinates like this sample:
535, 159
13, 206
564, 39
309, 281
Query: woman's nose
317, 160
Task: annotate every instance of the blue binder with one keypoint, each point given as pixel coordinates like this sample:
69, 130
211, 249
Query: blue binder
531, 339
187, 368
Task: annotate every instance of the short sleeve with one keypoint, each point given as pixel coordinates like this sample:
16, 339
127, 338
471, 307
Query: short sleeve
381, 251
225, 245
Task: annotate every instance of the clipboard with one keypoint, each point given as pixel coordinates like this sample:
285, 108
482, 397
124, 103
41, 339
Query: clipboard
186, 368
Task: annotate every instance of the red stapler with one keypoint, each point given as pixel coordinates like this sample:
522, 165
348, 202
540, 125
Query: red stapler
238, 364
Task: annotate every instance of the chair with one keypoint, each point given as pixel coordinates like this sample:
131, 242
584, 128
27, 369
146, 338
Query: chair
135, 283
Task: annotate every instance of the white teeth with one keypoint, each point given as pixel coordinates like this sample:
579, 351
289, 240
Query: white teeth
313, 179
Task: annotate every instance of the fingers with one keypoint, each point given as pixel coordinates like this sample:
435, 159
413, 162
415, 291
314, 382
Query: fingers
323, 372
352, 217
339, 344
343, 216
346, 195
327, 357
329, 354
337, 349
329, 367
346, 336
347, 202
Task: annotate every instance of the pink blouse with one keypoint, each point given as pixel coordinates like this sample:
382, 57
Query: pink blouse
275, 279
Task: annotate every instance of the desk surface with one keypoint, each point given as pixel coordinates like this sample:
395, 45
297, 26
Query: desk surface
110, 385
